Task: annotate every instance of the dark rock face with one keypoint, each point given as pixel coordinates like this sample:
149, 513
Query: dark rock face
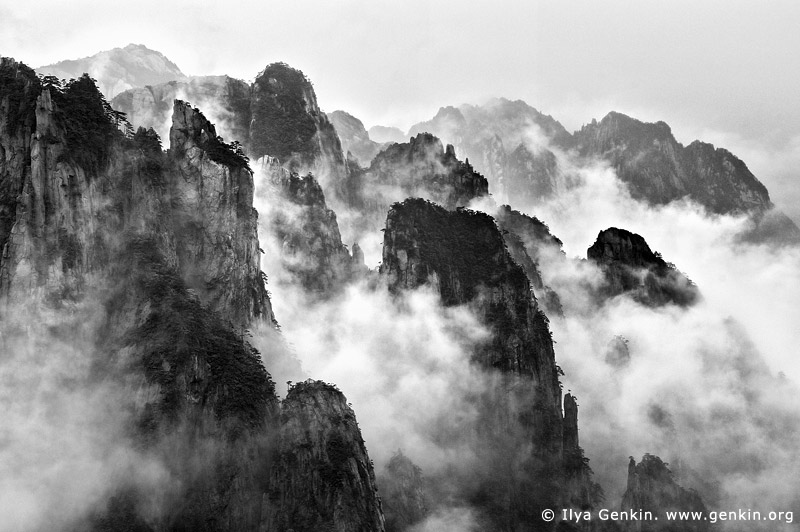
276, 116
651, 488
323, 478
307, 231
162, 248
119, 69
354, 137
403, 493
212, 194
659, 170
461, 253
101, 221
631, 267
288, 124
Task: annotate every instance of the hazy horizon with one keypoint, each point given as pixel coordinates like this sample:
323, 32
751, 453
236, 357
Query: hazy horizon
721, 72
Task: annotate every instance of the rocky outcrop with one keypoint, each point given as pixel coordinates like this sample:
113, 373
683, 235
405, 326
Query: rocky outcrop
212, 196
508, 142
225, 100
19, 91
306, 231
119, 69
403, 493
651, 488
354, 137
287, 124
162, 248
630, 267
323, 478
462, 255
422, 168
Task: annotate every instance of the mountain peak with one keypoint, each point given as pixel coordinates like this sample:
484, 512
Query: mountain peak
119, 69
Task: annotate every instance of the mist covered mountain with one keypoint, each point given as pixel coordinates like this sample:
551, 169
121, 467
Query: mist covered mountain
248, 329
529, 156
119, 69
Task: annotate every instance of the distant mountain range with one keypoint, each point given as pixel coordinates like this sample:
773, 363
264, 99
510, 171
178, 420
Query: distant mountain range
158, 227
119, 69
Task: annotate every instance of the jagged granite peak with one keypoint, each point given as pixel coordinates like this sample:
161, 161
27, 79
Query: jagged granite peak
59, 144
652, 488
119, 69
386, 134
462, 255
630, 267
403, 493
447, 123
98, 225
570, 422
226, 100
306, 230
354, 137
286, 123
323, 478
212, 190
489, 134
424, 167
658, 169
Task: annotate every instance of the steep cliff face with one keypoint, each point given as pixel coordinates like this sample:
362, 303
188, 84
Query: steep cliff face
162, 249
461, 253
354, 137
19, 91
288, 124
119, 69
323, 478
306, 230
212, 195
631, 267
56, 176
101, 221
651, 488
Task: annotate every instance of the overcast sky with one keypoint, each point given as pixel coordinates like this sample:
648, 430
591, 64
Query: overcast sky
727, 72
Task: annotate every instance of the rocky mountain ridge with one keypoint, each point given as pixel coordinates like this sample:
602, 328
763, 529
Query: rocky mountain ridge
119, 69
164, 247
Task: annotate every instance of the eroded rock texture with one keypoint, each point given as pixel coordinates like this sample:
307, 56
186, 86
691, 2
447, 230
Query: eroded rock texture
521, 427
323, 478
